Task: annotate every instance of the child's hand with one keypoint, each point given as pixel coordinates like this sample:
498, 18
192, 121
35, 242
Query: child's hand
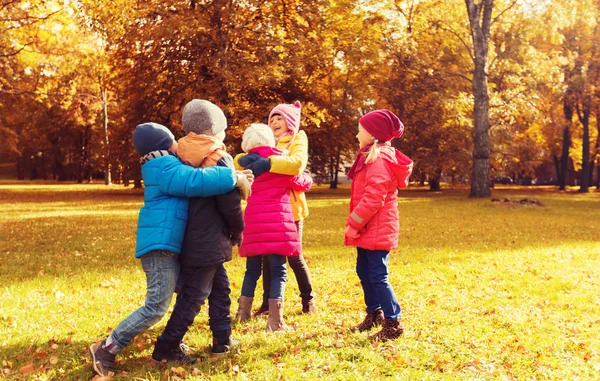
249, 175
236, 240
248, 159
244, 182
351, 232
260, 166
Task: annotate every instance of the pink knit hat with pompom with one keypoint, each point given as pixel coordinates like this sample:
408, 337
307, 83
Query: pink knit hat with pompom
291, 114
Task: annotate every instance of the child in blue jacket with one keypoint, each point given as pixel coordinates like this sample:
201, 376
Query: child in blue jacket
161, 226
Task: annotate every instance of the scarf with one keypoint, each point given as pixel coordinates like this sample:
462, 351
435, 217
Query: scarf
153, 155
359, 162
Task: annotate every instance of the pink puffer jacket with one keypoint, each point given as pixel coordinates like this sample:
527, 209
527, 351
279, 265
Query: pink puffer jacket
269, 221
373, 203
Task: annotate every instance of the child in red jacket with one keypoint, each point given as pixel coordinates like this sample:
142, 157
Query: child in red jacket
372, 226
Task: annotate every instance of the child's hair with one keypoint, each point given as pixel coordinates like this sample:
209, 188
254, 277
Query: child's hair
257, 135
373, 152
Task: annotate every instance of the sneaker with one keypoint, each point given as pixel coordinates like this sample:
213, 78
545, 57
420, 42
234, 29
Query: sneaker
184, 348
171, 351
223, 343
103, 362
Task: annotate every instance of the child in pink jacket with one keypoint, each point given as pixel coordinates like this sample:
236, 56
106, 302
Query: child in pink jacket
372, 226
270, 229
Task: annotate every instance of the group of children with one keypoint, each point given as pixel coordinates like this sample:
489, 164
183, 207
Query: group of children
192, 217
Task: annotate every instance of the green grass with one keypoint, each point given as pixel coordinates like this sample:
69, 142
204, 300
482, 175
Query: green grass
488, 291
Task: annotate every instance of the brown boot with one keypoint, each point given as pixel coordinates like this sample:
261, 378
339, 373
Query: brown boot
244, 309
372, 320
275, 321
309, 306
392, 329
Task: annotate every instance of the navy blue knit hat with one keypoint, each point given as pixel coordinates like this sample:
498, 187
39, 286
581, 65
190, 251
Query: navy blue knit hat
148, 137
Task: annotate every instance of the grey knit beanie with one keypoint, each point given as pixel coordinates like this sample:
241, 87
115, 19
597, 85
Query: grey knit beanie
203, 117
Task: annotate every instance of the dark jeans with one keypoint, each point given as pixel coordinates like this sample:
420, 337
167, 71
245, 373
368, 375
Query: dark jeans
276, 263
199, 284
300, 269
372, 269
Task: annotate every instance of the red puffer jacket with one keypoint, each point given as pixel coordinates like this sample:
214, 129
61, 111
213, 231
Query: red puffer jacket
373, 203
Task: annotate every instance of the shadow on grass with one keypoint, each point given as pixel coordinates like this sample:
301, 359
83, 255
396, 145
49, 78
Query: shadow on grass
64, 358
92, 230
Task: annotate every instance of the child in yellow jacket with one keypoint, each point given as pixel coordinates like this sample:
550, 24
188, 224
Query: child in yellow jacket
284, 121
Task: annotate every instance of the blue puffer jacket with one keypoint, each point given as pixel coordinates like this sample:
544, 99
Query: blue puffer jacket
168, 185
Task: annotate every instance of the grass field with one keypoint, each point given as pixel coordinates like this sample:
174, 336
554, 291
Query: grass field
488, 291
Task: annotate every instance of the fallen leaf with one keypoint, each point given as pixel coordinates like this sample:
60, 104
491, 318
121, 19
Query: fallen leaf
53, 360
26, 369
41, 354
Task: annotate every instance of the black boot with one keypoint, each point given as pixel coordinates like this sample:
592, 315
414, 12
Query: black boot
171, 351
222, 343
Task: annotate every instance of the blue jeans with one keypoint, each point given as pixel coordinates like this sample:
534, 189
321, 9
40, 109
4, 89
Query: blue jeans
199, 284
162, 269
277, 265
372, 269
300, 269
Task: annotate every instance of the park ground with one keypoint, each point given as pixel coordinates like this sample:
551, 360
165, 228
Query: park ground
489, 290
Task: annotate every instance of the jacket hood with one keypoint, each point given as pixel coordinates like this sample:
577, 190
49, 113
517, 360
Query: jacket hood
266, 151
400, 164
194, 148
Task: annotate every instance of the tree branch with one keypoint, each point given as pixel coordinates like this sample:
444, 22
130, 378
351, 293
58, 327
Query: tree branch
452, 31
504, 11
14, 53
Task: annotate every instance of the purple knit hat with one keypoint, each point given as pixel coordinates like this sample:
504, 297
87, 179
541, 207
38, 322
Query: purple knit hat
291, 114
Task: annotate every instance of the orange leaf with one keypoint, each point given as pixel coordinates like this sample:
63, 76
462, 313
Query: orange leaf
26, 369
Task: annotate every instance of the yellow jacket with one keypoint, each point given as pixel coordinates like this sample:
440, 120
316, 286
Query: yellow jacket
293, 164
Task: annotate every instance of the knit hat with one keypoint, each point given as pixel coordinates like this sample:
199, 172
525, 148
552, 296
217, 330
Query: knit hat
148, 137
257, 135
291, 114
382, 124
203, 117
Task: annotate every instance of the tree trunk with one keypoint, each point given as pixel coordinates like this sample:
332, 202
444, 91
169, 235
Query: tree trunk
107, 180
434, 182
335, 168
480, 32
331, 161
21, 167
564, 159
598, 146
557, 166
584, 118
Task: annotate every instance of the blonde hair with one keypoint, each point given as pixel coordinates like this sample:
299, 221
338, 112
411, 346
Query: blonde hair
374, 152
